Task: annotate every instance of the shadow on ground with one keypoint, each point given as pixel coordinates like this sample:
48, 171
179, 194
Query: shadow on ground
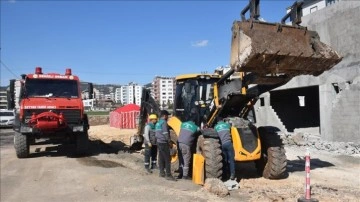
67, 149
299, 164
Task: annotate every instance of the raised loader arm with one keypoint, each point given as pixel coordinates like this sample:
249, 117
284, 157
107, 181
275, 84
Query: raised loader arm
148, 106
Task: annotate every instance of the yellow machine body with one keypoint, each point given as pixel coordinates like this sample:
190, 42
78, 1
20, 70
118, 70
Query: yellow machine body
241, 154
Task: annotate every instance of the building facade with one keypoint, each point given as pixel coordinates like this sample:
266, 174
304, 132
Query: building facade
3, 98
128, 94
163, 90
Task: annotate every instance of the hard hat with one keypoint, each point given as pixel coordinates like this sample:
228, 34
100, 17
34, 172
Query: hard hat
152, 116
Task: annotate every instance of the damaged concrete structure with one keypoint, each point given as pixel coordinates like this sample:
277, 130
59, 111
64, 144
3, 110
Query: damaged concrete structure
328, 104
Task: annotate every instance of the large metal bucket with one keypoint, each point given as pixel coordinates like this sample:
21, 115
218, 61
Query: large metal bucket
276, 53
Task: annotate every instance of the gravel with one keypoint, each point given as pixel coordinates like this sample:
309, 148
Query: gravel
314, 141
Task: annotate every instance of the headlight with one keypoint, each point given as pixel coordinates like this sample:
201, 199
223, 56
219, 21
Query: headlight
196, 103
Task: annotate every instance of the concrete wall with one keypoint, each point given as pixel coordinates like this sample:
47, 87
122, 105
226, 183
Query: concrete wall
339, 26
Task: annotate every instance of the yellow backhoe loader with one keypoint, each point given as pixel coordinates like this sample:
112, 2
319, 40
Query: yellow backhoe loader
263, 56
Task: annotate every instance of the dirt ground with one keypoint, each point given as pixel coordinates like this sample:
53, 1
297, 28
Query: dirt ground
334, 178
111, 173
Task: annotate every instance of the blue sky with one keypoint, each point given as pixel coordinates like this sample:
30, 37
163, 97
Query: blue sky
116, 42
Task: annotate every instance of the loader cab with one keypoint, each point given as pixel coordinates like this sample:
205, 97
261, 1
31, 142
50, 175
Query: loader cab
193, 96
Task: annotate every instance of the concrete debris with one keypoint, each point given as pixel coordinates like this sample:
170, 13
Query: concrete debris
232, 184
314, 141
216, 186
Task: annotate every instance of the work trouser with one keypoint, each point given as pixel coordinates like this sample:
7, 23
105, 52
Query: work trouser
184, 158
164, 158
150, 152
228, 154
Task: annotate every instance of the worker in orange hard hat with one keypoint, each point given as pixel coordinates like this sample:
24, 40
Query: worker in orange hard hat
150, 143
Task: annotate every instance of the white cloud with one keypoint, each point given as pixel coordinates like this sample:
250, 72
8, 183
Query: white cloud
201, 43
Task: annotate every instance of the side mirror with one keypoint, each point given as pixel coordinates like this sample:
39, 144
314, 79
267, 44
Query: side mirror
91, 90
11, 95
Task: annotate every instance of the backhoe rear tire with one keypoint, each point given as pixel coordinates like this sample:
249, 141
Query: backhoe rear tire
272, 164
21, 144
210, 149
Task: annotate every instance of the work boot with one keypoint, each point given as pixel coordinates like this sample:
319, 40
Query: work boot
170, 177
161, 174
232, 177
148, 170
179, 176
186, 178
153, 166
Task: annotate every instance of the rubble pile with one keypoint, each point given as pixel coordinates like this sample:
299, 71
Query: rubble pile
314, 141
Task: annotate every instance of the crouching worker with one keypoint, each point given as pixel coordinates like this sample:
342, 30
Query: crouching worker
223, 130
150, 144
163, 142
186, 139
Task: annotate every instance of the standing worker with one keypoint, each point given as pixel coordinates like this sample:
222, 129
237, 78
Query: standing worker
186, 139
150, 143
223, 130
163, 142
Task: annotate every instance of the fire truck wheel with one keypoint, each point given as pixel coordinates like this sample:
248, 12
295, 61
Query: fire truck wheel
82, 142
21, 144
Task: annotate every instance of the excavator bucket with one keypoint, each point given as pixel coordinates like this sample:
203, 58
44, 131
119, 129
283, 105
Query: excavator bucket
275, 53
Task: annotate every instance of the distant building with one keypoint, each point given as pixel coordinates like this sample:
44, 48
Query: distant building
129, 94
97, 94
163, 89
3, 98
118, 95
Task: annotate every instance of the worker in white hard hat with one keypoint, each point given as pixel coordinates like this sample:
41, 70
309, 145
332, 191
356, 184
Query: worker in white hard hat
150, 144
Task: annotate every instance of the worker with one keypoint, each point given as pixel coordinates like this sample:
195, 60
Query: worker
163, 143
186, 139
150, 143
223, 130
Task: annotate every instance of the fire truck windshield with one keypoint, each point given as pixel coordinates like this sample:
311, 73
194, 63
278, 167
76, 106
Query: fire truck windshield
51, 88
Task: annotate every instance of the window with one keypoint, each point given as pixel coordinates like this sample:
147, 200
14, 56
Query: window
262, 101
301, 101
313, 9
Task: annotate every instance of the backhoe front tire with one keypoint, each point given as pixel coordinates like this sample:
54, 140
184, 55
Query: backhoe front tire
272, 164
21, 144
210, 149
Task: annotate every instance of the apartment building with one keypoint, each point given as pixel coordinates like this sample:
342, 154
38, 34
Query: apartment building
163, 89
128, 94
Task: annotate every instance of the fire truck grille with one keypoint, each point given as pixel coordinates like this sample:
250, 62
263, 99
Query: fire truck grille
72, 116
